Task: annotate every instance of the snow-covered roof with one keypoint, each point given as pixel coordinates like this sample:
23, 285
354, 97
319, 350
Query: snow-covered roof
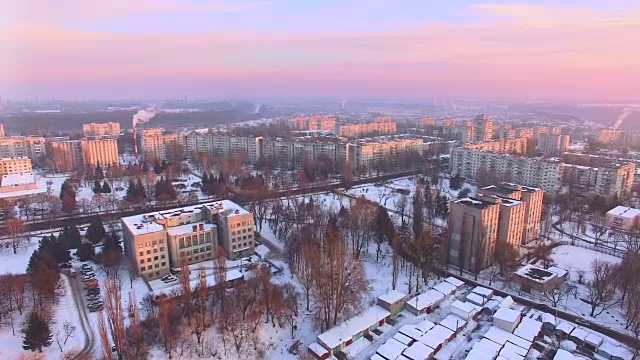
188, 228
565, 327
476, 299
565, 355
624, 211
536, 273
506, 314
346, 330
513, 352
507, 302
453, 323
318, 349
377, 357
436, 336
497, 335
138, 225
445, 288
520, 342
425, 325
406, 340
391, 297
528, 329
418, 351
488, 347
454, 281
579, 333
391, 349
426, 299
616, 350
594, 339
18, 179
558, 271
482, 291
465, 307
548, 318
411, 331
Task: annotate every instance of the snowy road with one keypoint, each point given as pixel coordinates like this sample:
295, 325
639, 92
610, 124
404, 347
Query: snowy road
87, 329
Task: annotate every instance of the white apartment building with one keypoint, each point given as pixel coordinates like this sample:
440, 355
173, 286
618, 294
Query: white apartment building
32, 147
158, 241
101, 129
365, 154
155, 145
19, 165
553, 145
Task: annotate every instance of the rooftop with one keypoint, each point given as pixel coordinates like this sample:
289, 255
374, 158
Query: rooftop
536, 274
624, 211
475, 202
188, 228
346, 330
18, 179
392, 296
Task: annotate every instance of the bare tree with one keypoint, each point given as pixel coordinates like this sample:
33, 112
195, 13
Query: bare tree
199, 314
632, 312
67, 331
556, 292
602, 286
15, 230
104, 338
184, 279
115, 313
305, 269
401, 204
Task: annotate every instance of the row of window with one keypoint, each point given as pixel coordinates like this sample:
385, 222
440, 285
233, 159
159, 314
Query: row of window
156, 266
244, 223
195, 251
155, 251
194, 240
155, 258
152, 243
241, 246
244, 231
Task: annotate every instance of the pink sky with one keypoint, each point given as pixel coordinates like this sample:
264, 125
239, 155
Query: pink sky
502, 51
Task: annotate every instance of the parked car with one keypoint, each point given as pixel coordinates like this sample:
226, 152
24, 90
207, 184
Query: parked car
95, 308
88, 279
93, 298
86, 266
93, 291
93, 284
96, 303
90, 274
65, 265
170, 280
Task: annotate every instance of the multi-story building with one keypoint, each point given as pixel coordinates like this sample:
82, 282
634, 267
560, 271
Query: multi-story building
158, 241
556, 130
313, 122
99, 151
523, 208
66, 155
32, 147
526, 133
602, 176
427, 121
536, 172
156, 145
511, 146
366, 154
609, 136
483, 128
101, 129
448, 122
355, 130
553, 145
506, 133
1, 127
473, 231
17, 165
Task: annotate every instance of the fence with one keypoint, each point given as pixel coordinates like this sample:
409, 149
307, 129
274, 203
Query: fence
603, 250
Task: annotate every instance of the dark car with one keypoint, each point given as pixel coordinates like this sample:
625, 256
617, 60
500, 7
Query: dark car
65, 265
93, 291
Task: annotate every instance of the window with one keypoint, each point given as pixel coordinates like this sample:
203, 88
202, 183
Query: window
148, 260
161, 256
155, 258
208, 236
155, 251
161, 241
161, 248
244, 237
139, 246
201, 239
142, 268
155, 242
156, 266
244, 223
141, 253
148, 252
208, 248
181, 243
188, 253
233, 233
147, 244
157, 273
233, 247
196, 257
141, 261
164, 263
189, 242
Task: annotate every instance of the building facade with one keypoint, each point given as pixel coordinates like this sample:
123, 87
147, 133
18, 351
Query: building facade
609, 136
100, 151
158, 241
158, 146
18, 165
357, 130
483, 128
101, 129
66, 155
553, 145
473, 231
508, 146
313, 122
32, 147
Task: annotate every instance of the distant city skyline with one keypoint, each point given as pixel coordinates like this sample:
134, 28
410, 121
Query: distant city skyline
519, 50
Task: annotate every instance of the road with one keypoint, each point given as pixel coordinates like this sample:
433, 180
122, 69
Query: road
77, 290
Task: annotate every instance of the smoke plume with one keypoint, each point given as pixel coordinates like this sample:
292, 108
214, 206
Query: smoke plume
623, 115
142, 116
257, 110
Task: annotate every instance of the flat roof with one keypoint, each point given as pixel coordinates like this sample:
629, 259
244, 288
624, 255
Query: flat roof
188, 228
18, 179
347, 329
475, 202
454, 281
445, 288
624, 211
391, 349
426, 299
418, 351
392, 296
506, 314
536, 274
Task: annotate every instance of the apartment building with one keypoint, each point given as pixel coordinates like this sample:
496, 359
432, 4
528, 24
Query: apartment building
17, 165
510, 146
1, 128
357, 130
365, 154
521, 207
99, 151
448, 122
553, 145
525, 133
156, 145
546, 174
427, 121
506, 133
313, 122
483, 128
32, 147
609, 136
599, 175
101, 129
473, 232
158, 241
67, 155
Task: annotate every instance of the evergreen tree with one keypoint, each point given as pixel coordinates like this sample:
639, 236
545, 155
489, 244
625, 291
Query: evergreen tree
99, 172
56, 249
455, 182
140, 190
37, 332
112, 242
131, 191
205, 179
164, 165
86, 251
95, 231
71, 235
145, 167
97, 187
157, 168
106, 189
67, 189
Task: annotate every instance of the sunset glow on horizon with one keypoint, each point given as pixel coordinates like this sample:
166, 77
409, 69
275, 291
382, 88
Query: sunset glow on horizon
570, 50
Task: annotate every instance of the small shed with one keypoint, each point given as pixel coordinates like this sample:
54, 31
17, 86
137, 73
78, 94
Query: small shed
454, 323
614, 351
411, 331
548, 322
593, 342
318, 352
483, 291
578, 336
455, 282
488, 347
418, 351
506, 319
424, 325
393, 301
497, 335
392, 349
437, 337
513, 352
562, 354
528, 329
445, 288
476, 299
406, 340
465, 310
377, 357
520, 342
425, 302
564, 328
336, 338
507, 302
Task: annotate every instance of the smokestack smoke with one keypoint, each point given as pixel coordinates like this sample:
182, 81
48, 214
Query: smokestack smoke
257, 110
143, 116
620, 119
